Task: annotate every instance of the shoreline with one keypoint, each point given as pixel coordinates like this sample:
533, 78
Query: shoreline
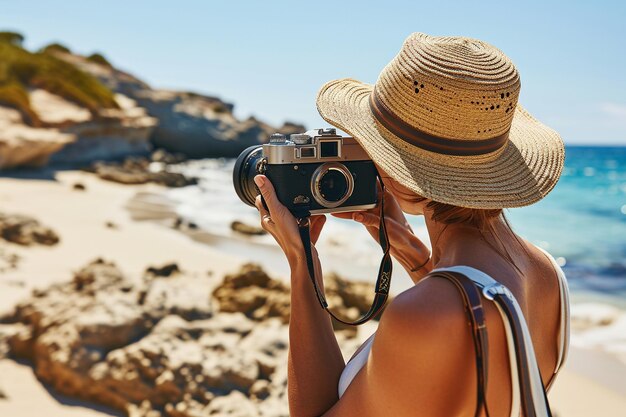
591, 376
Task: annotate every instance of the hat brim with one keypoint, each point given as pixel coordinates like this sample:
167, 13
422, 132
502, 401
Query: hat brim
522, 172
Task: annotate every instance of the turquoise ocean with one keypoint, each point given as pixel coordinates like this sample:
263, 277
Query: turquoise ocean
582, 222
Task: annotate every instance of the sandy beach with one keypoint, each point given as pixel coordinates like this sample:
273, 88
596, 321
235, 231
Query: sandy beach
95, 223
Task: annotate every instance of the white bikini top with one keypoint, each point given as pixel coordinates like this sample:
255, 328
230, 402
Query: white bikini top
357, 362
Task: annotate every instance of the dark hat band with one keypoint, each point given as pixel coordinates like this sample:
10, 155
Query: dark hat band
429, 142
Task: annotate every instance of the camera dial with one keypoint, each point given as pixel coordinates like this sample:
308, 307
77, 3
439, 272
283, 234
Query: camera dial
278, 139
300, 138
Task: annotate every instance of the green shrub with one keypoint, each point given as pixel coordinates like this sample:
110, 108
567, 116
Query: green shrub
15, 96
99, 59
55, 47
12, 38
219, 109
21, 69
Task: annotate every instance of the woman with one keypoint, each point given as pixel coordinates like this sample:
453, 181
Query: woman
444, 129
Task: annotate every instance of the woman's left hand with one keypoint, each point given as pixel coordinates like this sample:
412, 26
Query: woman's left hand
282, 225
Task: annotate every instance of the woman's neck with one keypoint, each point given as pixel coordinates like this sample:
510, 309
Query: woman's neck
447, 239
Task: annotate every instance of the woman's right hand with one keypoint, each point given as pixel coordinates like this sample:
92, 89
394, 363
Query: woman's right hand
407, 248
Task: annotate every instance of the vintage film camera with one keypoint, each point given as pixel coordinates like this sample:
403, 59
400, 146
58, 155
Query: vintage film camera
327, 172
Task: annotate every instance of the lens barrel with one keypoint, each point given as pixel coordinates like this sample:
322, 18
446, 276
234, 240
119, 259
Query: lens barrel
332, 184
244, 171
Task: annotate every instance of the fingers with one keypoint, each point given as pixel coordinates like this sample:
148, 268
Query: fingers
268, 193
258, 203
366, 219
266, 219
344, 215
317, 223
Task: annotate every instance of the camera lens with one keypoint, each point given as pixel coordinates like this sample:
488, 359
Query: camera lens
244, 172
332, 184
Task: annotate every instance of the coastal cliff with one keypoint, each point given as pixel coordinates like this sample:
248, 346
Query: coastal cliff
64, 108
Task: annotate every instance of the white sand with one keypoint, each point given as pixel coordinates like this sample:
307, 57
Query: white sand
593, 383
80, 217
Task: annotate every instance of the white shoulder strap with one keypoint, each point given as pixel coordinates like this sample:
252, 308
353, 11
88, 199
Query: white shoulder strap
485, 281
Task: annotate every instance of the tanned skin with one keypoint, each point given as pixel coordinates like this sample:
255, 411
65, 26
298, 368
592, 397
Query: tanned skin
422, 359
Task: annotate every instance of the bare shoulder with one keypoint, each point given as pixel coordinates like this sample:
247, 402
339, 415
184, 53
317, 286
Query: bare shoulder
423, 346
424, 310
424, 337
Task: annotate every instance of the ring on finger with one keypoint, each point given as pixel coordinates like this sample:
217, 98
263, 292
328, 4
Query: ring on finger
268, 218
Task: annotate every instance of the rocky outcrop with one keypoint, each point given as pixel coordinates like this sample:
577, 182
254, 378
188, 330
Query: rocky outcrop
157, 345
252, 292
197, 125
201, 126
25, 230
22, 145
73, 135
113, 134
246, 229
137, 119
137, 171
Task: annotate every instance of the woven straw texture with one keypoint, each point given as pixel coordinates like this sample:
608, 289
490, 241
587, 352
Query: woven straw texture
452, 88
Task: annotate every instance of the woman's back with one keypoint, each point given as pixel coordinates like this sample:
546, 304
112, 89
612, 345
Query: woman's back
539, 296
537, 292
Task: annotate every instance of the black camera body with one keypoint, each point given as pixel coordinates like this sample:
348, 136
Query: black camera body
326, 172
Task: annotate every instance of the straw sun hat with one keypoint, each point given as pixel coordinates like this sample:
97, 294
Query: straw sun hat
443, 120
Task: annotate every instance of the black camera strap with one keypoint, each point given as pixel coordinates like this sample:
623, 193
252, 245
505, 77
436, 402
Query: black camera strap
381, 290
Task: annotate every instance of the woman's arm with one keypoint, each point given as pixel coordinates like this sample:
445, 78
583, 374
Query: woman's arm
417, 351
406, 248
315, 360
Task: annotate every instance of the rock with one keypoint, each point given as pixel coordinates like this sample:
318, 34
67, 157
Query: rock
260, 389
55, 110
202, 126
131, 171
235, 404
164, 271
111, 225
75, 329
155, 346
246, 229
353, 294
195, 125
65, 116
252, 292
138, 171
26, 231
112, 135
22, 145
8, 260
139, 119
163, 156
180, 294
79, 186
7, 332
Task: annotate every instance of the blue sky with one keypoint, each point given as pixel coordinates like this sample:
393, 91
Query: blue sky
270, 58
